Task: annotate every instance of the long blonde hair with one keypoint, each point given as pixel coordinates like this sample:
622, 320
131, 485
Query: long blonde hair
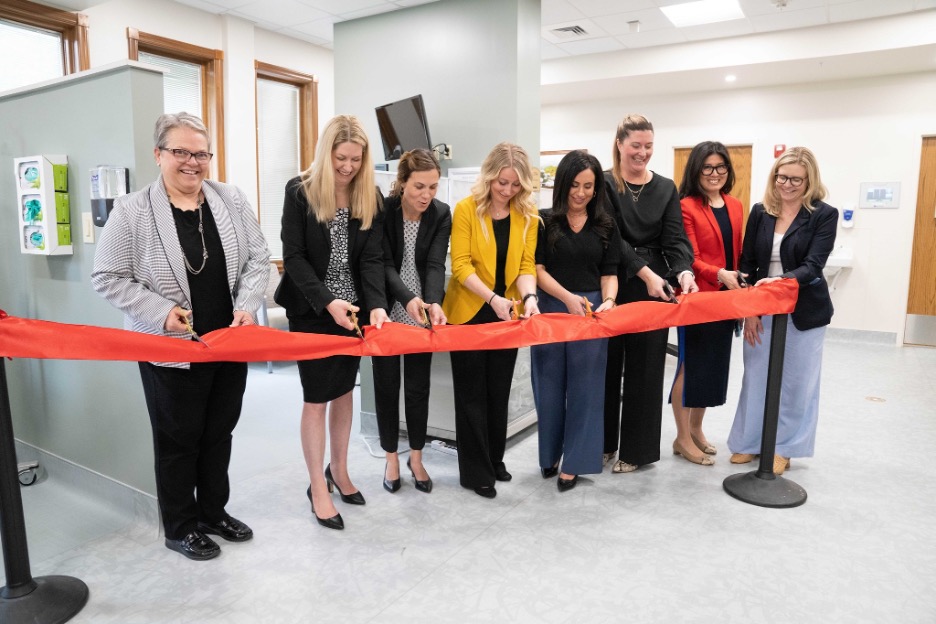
630, 123
815, 190
318, 181
506, 155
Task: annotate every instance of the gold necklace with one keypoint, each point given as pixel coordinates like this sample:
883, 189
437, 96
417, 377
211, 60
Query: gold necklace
635, 196
201, 232
583, 216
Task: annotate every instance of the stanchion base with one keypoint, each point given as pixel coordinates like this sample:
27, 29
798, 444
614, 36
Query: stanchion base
56, 599
764, 491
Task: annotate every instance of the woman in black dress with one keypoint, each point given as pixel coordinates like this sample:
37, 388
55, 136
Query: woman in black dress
334, 267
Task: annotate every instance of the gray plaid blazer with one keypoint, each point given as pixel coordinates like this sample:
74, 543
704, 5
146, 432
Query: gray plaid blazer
138, 264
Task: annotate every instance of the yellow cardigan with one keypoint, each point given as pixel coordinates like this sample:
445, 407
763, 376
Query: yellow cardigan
472, 253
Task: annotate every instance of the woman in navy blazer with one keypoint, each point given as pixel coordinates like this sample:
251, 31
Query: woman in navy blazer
333, 261
789, 236
712, 219
415, 243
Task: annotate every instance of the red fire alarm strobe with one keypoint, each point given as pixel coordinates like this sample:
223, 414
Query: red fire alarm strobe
778, 149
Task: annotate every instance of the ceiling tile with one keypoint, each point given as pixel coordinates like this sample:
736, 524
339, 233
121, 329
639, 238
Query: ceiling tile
592, 46
285, 13
549, 51
790, 19
719, 30
753, 8
555, 11
322, 29
648, 38
297, 34
591, 29
226, 4
347, 6
650, 19
374, 10
866, 9
597, 8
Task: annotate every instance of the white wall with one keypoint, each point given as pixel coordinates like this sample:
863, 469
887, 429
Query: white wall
861, 130
241, 42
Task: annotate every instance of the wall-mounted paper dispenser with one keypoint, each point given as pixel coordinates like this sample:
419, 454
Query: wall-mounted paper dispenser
107, 183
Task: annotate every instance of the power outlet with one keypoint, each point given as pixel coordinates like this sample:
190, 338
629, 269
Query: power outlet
87, 228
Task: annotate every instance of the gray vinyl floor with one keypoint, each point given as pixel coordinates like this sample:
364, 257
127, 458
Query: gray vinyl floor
664, 544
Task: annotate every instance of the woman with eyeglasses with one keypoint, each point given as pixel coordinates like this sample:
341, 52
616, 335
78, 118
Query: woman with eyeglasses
712, 219
182, 257
789, 236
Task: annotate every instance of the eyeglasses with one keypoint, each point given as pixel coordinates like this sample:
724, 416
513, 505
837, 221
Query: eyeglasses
794, 182
721, 169
183, 155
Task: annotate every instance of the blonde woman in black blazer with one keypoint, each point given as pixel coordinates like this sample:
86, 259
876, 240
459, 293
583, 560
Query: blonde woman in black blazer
416, 237
333, 263
181, 252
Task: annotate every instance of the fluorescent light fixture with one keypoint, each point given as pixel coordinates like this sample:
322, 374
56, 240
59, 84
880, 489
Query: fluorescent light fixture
730, 78
702, 12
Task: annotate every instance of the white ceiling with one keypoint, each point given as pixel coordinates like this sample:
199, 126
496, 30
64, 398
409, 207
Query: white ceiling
605, 21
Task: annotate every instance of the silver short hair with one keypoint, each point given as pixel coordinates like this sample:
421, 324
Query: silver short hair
169, 121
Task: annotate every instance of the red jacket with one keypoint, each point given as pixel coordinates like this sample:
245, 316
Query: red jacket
706, 238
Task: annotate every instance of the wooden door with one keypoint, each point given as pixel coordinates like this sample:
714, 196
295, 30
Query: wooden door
740, 160
921, 301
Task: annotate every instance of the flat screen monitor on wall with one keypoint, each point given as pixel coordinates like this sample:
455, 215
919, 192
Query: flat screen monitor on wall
403, 126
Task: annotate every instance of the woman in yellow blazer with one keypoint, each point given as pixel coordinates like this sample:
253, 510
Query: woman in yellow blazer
493, 266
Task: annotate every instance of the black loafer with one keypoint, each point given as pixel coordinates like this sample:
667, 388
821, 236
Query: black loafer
549, 473
231, 529
565, 485
196, 546
487, 491
501, 474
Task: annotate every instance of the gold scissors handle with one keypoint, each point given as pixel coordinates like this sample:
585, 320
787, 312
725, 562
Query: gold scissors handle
357, 328
586, 307
191, 330
426, 321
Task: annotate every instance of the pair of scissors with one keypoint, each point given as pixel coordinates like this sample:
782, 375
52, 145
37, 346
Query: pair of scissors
586, 307
357, 328
741, 280
668, 290
191, 330
426, 321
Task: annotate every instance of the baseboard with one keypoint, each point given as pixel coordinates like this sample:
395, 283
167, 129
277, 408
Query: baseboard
139, 508
863, 336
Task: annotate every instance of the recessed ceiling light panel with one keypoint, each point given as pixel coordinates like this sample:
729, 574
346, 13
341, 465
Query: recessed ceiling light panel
702, 12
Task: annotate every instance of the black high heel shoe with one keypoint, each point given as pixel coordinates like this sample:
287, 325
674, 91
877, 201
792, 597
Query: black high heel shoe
549, 473
391, 485
422, 486
335, 522
352, 499
565, 485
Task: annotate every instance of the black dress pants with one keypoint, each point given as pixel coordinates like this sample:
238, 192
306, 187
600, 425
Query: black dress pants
633, 415
193, 413
481, 384
416, 371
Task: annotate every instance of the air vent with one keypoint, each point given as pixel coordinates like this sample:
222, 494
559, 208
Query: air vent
569, 32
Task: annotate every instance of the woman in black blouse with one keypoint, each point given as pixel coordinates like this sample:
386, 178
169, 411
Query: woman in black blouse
415, 243
334, 267
645, 206
577, 255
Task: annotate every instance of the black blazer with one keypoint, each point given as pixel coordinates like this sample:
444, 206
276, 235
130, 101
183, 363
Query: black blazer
306, 250
435, 227
803, 252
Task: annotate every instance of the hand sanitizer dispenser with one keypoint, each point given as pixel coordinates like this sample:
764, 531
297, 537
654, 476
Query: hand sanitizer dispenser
848, 216
107, 183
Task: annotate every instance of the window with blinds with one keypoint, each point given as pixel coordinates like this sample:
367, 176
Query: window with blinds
278, 155
182, 85
28, 55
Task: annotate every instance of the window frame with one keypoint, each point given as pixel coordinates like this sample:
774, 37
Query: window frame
212, 70
308, 115
73, 28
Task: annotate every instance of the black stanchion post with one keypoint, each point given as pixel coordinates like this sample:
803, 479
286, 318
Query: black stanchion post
762, 487
46, 599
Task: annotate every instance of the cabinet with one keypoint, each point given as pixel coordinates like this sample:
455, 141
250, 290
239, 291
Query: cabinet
42, 205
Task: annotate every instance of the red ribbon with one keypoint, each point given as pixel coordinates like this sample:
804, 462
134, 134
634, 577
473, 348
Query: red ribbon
27, 338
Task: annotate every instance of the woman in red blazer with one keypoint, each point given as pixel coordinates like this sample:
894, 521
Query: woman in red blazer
712, 219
